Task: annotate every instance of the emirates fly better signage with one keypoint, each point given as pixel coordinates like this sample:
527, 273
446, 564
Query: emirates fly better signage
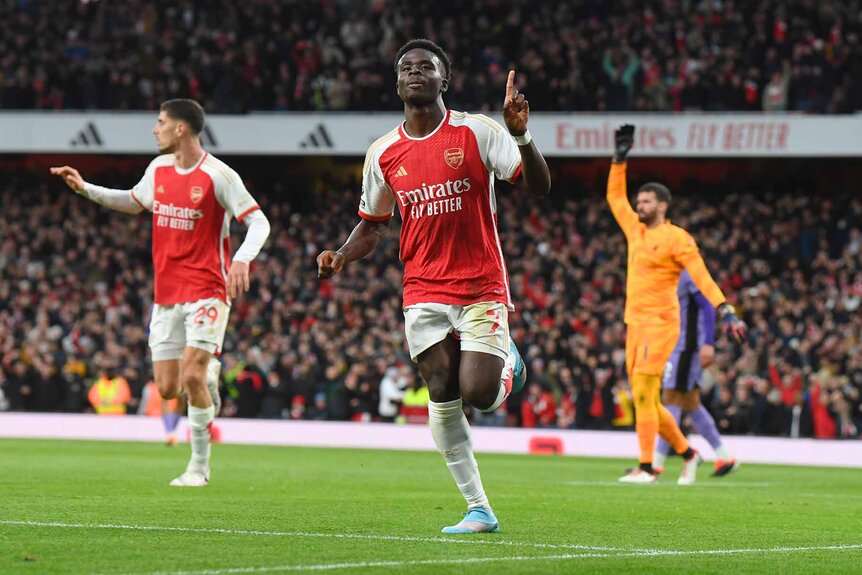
331, 134
689, 136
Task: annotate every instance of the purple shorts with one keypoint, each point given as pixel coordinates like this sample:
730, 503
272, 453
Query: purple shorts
682, 372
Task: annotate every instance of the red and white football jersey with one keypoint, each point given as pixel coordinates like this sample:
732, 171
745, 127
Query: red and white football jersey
443, 186
192, 209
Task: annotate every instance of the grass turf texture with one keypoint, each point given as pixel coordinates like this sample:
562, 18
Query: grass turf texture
331, 510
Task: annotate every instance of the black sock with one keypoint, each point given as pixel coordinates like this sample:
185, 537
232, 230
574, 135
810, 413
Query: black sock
689, 453
647, 467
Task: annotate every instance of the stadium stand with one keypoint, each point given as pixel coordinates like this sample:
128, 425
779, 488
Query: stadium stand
269, 55
74, 296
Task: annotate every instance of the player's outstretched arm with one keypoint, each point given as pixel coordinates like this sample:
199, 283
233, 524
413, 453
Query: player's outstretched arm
120, 200
362, 241
617, 194
534, 168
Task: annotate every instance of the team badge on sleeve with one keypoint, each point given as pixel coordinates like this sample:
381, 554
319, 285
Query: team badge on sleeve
454, 157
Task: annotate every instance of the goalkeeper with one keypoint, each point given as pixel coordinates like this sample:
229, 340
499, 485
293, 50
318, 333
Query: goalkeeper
658, 252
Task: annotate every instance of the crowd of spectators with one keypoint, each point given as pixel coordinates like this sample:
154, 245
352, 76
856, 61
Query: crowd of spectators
76, 286
571, 55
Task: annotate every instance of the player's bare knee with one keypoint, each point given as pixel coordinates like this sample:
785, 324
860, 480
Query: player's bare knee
439, 379
440, 389
169, 384
479, 394
193, 380
480, 378
169, 388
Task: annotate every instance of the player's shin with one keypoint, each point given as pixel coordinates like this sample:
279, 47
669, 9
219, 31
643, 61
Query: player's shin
704, 424
170, 420
646, 389
670, 432
663, 448
200, 419
453, 439
213, 373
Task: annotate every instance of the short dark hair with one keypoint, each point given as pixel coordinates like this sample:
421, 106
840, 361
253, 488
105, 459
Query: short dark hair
187, 111
662, 193
423, 44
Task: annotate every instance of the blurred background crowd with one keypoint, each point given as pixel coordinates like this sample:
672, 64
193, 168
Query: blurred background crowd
571, 55
76, 280
76, 285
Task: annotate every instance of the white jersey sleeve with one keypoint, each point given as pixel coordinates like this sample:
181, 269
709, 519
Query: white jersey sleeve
499, 150
377, 203
132, 201
255, 237
142, 193
230, 192
120, 200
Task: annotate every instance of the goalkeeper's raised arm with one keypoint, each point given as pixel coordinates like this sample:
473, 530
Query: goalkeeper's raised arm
617, 194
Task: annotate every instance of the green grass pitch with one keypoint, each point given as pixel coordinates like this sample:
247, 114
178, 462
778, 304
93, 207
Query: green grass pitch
106, 508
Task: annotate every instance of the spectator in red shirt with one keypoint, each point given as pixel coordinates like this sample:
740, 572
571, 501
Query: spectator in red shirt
539, 408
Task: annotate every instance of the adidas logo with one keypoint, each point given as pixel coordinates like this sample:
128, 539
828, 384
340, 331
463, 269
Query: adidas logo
317, 138
400, 173
208, 139
89, 136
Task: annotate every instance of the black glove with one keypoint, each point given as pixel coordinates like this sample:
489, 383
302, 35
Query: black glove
624, 139
731, 324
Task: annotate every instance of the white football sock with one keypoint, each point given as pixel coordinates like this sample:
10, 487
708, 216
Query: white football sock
453, 439
199, 421
722, 452
658, 459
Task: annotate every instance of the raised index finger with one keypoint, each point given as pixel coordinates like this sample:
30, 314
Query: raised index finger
510, 84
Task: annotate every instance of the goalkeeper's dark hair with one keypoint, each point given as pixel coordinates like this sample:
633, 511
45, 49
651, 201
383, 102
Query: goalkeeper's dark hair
662, 193
423, 44
187, 111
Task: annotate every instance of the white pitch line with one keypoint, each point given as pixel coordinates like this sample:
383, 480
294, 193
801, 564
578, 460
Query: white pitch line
464, 560
610, 551
366, 564
799, 549
462, 541
841, 496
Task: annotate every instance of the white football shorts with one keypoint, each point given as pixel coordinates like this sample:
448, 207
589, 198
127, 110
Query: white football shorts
482, 327
199, 324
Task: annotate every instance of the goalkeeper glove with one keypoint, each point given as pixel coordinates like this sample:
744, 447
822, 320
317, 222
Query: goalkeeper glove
731, 325
624, 139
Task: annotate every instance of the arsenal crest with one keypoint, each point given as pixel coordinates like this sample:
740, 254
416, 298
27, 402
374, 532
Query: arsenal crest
196, 194
454, 157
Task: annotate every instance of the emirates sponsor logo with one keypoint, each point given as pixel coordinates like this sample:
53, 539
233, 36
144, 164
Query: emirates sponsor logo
173, 211
175, 217
433, 191
454, 157
433, 199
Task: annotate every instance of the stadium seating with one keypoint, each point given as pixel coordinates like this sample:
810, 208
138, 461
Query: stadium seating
596, 56
792, 261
